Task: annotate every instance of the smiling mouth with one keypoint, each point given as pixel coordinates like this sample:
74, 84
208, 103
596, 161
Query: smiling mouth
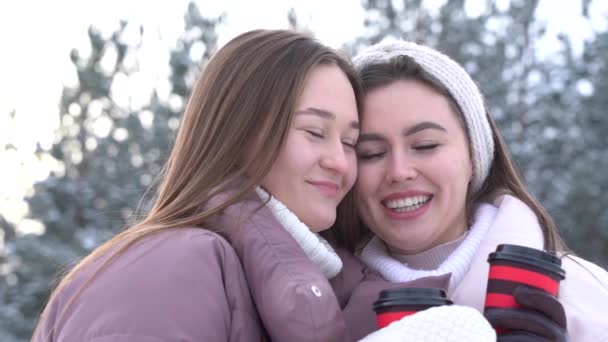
326, 188
407, 204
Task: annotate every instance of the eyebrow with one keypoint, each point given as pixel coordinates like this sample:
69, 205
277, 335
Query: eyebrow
422, 126
370, 137
406, 132
324, 114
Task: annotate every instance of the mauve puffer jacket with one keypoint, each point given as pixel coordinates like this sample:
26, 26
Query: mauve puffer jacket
249, 282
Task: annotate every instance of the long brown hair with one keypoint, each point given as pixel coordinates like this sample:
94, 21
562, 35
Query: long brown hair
504, 178
233, 126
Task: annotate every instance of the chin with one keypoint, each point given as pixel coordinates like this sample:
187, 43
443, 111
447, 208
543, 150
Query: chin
320, 225
318, 218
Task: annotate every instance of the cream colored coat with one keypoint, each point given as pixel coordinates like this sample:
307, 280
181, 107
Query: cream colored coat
584, 292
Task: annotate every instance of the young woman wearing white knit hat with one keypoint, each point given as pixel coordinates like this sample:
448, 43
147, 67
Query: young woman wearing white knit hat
437, 191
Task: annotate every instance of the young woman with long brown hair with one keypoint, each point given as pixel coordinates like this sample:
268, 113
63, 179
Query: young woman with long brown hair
229, 250
438, 189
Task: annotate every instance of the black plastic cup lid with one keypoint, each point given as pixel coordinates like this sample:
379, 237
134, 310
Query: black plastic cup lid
411, 296
530, 256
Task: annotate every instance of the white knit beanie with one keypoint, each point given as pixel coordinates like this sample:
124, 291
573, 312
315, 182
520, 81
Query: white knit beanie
460, 85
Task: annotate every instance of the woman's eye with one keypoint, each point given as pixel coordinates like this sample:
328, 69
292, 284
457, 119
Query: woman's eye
349, 144
315, 133
425, 147
366, 156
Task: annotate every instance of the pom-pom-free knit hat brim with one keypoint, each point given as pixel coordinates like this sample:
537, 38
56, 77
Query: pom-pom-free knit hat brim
460, 86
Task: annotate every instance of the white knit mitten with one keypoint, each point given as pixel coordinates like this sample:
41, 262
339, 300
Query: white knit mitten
442, 323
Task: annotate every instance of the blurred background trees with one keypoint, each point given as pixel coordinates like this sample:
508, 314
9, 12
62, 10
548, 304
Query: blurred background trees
110, 145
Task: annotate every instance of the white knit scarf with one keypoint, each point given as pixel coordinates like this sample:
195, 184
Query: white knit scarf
315, 247
377, 257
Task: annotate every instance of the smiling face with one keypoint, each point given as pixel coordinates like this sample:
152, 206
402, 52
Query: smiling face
414, 167
317, 163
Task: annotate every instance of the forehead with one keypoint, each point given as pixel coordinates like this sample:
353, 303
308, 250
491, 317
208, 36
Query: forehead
328, 88
406, 102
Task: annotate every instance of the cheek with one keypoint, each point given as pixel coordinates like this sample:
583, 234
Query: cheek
352, 173
364, 185
280, 168
369, 179
455, 175
295, 157
465, 170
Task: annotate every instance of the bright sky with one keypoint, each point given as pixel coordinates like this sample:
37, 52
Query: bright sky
37, 35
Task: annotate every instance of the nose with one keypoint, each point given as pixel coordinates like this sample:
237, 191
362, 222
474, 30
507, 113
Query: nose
400, 170
336, 160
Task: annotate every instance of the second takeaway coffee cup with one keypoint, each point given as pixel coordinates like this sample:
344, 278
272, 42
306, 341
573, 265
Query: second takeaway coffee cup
512, 266
394, 304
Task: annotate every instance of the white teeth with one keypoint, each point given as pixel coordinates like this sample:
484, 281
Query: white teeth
407, 204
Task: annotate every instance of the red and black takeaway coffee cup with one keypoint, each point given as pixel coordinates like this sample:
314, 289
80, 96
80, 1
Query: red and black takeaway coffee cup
512, 266
394, 304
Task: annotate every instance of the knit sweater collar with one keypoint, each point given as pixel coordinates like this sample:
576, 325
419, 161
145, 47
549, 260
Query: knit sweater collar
316, 248
433, 258
377, 257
